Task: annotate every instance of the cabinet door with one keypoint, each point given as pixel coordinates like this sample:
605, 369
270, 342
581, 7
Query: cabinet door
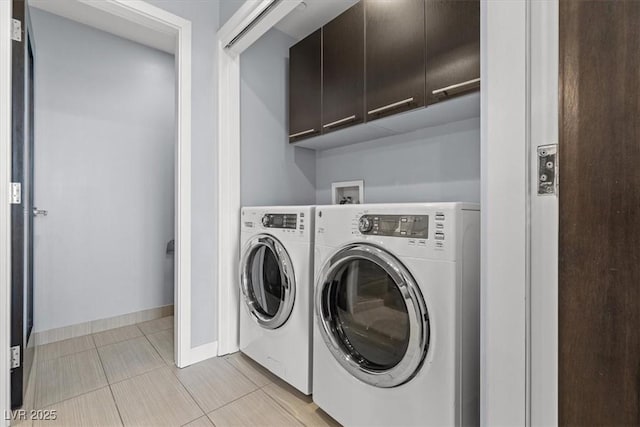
305, 82
343, 70
453, 48
395, 56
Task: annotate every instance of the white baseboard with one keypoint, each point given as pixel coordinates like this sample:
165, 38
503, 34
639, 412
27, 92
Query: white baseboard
99, 325
200, 353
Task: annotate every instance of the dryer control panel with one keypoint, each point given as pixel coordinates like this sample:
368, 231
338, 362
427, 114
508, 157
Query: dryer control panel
410, 226
280, 221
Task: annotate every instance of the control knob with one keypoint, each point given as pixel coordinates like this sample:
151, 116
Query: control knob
365, 224
266, 220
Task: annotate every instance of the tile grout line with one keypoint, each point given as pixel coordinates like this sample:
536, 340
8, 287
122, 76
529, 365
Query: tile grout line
119, 341
157, 352
39, 407
166, 365
138, 375
70, 354
108, 384
232, 401
143, 334
104, 371
71, 398
206, 414
188, 392
282, 406
36, 402
226, 359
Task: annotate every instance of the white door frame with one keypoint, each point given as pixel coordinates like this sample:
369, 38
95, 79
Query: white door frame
229, 157
504, 201
150, 17
543, 352
508, 250
5, 208
145, 15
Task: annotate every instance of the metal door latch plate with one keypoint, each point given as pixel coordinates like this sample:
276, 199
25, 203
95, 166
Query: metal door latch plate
15, 357
548, 170
16, 30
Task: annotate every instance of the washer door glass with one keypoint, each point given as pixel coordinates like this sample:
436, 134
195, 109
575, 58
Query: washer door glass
267, 281
372, 315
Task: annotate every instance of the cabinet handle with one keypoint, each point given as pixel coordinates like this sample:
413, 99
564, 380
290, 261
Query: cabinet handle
459, 87
390, 106
339, 122
304, 132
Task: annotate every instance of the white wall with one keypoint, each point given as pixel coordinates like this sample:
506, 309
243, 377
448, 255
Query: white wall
273, 172
104, 169
204, 25
435, 164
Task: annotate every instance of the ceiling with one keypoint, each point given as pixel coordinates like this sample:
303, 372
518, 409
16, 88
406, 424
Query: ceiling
76, 10
302, 21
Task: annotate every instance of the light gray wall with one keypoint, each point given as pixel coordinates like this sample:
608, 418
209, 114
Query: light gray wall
228, 8
272, 172
104, 170
435, 164
204, 110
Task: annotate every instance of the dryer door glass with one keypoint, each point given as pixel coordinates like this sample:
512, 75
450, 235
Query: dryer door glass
372, 315
267, 281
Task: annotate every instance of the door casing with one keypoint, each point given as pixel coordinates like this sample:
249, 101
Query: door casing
147, 18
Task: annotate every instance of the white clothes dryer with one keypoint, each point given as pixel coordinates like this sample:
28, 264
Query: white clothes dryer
397, 314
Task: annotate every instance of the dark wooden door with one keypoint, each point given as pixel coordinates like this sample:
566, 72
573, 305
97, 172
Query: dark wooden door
21, 211
453, 48
395, 56
305, 85
599, 242
343, 70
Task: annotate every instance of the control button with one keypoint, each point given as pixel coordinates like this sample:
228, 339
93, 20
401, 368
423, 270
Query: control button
301, 227
439, 236
439, 217
301, 214
266, 221
439, 225
439, 245
412, 242
365, 224
422, 242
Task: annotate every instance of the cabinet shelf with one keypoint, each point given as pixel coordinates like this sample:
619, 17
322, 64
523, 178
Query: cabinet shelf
448, 111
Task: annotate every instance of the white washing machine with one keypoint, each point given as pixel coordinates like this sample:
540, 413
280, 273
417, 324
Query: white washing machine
397, 314
276, 284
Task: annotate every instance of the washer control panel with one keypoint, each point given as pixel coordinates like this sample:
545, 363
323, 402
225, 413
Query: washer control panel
289, 221
409, 226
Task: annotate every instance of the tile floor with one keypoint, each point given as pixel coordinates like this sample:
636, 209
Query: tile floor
126, 376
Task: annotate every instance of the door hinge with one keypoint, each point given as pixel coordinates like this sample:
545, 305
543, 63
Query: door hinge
16, 30
15, 357
16, 193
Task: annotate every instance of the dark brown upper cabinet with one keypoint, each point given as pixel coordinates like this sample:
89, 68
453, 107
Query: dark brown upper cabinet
395, 56
305, 86
343, 70
453, 48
